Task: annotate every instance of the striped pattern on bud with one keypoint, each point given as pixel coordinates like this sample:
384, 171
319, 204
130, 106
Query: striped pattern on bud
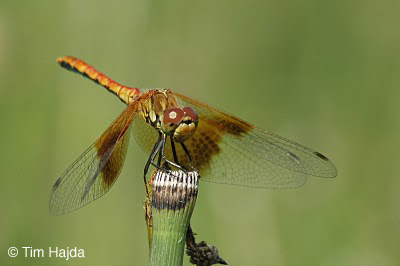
174, 189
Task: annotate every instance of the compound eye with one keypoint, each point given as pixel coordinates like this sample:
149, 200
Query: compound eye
189, 111
173, 117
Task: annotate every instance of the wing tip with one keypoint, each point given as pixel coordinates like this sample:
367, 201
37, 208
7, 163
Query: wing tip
332, 171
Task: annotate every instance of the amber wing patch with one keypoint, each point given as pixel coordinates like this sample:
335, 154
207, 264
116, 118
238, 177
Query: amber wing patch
96, 170
232, 151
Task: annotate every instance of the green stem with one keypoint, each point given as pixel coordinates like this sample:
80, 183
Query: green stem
173, 200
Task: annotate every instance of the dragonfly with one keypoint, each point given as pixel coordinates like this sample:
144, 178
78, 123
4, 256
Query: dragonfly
180, 132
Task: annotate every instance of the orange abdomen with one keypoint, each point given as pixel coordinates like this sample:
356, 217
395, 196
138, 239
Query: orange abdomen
124, 93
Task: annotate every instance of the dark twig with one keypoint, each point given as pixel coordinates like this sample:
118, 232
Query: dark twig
201, 254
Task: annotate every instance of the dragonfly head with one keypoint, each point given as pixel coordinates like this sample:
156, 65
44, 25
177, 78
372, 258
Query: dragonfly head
181, 123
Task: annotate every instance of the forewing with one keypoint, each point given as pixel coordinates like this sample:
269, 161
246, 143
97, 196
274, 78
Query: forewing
145, 135
226, 149
96, 170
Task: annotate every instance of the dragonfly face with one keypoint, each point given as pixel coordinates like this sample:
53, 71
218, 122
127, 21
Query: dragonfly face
179, 123
223, 148
161, 111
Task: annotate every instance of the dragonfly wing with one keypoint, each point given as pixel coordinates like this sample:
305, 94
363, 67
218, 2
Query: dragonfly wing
229, 150
145, 135
96, 170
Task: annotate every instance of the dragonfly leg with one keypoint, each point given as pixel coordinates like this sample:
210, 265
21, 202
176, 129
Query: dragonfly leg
174, 151
161, 154
176, 164
188, 155
164, 167
153, 154
159, 148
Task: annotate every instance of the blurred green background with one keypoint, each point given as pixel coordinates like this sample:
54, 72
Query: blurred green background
323, 73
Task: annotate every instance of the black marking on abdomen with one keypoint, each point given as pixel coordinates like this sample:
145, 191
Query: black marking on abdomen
67, 66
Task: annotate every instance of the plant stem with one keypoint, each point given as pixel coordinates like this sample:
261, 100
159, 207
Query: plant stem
174, 196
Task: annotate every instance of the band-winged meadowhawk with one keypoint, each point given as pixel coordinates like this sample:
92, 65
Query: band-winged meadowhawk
184, 133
